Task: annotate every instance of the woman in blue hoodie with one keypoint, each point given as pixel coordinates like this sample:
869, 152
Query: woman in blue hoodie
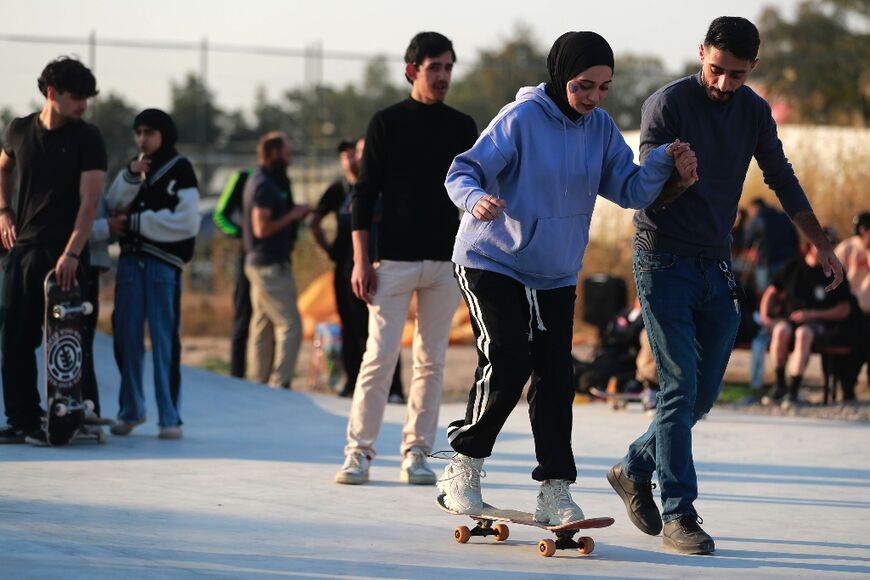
528, 187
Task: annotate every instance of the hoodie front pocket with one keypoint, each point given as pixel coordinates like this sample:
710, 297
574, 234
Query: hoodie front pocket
556, 247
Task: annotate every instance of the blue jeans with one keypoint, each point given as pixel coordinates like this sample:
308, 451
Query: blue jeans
147, 289
692, 321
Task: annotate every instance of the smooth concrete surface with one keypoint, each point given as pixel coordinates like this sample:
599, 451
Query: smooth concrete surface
248, 493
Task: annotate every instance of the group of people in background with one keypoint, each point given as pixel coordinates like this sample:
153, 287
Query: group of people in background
788, 314
526, 187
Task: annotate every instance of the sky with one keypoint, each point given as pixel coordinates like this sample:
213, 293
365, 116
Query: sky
670, 30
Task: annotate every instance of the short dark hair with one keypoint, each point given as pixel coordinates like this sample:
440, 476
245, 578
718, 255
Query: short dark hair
346, 145
427, 45
270, 142
68, 75
735, 35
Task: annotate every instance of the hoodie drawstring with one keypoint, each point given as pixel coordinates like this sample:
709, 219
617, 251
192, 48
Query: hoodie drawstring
534, 310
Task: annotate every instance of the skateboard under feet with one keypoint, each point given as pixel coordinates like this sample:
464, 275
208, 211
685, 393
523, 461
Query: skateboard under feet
489, 522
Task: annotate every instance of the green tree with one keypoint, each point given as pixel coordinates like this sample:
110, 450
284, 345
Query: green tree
195, 112
635, 78
819, 62
494, 79
114, 117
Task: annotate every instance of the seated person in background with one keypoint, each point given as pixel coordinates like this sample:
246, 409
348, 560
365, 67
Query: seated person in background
614, 359
810, 314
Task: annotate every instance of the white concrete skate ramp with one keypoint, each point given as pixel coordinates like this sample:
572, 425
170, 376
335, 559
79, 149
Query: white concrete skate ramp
248, 493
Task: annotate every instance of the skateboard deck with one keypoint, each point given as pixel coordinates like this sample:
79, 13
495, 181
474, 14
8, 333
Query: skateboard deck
489, 524
64, 355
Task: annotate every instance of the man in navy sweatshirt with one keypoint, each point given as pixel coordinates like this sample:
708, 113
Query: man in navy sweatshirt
683, 273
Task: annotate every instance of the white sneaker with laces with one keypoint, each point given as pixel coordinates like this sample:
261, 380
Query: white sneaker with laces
415, 470
555, 506
460, 484
355, 470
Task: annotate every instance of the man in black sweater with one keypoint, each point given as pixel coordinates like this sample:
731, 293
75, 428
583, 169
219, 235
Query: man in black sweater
683, 268
409, 147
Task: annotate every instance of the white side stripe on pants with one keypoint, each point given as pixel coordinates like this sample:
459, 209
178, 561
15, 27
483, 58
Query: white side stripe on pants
481, 386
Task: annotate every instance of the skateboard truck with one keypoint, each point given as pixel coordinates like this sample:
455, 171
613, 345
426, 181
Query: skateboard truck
61, 312
61, 409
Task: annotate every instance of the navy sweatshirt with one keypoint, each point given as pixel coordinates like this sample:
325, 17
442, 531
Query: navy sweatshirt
725, 137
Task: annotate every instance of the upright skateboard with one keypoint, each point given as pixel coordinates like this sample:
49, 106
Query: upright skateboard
64, 354
487, 526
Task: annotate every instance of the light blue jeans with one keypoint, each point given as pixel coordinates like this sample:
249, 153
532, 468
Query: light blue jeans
692, 318
147, 289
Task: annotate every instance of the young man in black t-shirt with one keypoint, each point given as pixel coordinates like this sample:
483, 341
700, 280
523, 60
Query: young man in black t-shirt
60, 161
810, 314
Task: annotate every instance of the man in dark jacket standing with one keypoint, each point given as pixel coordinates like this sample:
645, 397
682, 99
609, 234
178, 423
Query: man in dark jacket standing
61, 166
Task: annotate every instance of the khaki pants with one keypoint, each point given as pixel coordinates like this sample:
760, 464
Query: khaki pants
437, 299
275, 333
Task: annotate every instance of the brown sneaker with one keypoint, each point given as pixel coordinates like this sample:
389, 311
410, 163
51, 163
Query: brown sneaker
173, 432
638, 498
125, 427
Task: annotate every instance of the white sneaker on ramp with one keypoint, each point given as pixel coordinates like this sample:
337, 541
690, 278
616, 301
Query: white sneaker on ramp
460, 484
555, 506
414, 469
355, 470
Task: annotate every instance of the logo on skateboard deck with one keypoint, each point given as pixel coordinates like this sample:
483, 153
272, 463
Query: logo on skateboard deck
64, 358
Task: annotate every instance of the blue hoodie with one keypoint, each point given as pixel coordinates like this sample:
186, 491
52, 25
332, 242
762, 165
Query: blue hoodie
549, 172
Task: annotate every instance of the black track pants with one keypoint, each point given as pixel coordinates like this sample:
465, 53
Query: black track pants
519, 332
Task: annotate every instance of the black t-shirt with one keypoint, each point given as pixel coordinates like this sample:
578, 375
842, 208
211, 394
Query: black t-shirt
49, 166
262, 190
337, 198
804, 287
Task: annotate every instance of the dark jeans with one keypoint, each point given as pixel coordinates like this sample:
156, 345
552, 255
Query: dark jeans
692, 320
23, 305
354, 316
512, 344
241, 318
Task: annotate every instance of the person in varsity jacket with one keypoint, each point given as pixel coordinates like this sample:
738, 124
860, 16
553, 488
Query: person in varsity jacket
158, 193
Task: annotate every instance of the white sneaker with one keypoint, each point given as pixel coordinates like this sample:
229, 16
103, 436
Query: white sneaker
414, 469
355, 469
460, 484
555, 506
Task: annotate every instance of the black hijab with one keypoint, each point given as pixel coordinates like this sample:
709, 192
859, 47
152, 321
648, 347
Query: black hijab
157, 119
572, 53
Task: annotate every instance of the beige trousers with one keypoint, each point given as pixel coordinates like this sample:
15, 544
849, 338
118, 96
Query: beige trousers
437, 299
275, 333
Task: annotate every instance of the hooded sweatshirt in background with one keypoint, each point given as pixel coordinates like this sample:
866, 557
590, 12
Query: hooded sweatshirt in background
549, 171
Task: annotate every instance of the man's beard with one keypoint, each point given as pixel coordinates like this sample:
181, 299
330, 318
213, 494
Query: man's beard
715, 94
